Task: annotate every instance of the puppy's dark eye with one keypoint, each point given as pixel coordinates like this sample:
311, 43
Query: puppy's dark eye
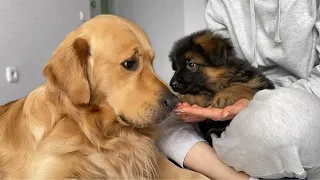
190, 65
130, 64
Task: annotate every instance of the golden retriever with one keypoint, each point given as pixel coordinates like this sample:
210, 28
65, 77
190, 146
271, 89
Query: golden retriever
95, 117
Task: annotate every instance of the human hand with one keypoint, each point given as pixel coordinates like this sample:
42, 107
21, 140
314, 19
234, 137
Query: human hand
196, 113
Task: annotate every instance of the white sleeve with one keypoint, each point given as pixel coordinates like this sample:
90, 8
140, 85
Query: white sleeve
213, 15
312, 83
177, 138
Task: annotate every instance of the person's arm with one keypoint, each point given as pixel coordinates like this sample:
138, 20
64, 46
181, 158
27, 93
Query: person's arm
213, 15
181, 143
203, 159
177, 138
312, 82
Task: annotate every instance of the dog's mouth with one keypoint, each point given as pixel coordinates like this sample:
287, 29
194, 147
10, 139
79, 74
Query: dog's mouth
125, 120
129, 122
155, 118
164, 116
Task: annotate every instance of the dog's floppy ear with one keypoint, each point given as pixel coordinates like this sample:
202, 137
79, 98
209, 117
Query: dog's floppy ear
67, 70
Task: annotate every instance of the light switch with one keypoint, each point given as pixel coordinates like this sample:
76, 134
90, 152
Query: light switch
12, 74
81, 16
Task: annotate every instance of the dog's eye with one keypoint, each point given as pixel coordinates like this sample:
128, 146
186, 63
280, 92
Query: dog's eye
130, 64
191, 66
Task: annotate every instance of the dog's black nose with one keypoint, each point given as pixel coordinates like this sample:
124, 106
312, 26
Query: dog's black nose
170, 100
175, 82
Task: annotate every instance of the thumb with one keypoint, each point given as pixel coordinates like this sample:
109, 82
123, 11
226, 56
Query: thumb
230, 112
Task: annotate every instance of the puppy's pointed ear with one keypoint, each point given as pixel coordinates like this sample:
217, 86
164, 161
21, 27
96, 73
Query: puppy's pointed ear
67, 70
223, 48
220, 52
216, 48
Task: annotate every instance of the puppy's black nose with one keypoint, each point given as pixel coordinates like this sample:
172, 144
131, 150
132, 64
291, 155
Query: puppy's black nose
170, 100
175, 82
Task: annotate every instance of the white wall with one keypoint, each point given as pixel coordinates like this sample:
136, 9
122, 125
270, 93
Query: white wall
164, 21
194, 11
97, 9
30, 30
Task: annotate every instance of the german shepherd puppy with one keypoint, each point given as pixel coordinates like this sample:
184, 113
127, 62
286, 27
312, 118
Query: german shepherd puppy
208, 74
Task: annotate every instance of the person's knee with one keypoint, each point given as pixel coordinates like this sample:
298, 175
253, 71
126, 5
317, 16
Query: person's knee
276, 124
282, 96
272, 117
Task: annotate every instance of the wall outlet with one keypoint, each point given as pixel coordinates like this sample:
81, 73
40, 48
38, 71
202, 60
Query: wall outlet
12, 74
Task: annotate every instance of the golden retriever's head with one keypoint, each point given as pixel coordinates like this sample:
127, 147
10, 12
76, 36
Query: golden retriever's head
108, 62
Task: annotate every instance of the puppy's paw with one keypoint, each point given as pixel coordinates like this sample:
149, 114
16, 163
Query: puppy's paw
223, 99
200, 100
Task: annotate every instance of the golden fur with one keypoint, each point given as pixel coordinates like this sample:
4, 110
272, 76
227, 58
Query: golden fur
92, 119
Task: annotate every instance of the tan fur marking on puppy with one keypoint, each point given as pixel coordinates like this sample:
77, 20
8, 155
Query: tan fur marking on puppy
205, 42
232, 94
211, 44
213, 73
194, 56
255, 83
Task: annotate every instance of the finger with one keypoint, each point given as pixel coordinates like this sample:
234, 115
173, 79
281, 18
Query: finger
179, 104
211, 113
242, 102
230, 112
186, 104
178, 110
179, 107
